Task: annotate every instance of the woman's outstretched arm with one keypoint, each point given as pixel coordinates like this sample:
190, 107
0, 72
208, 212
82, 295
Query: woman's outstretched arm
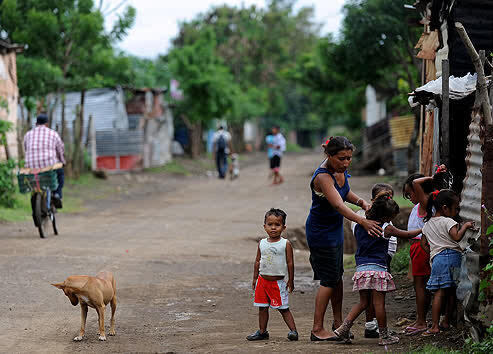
326, 185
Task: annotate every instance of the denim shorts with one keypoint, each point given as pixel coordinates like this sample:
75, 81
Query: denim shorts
371, 267
444, 270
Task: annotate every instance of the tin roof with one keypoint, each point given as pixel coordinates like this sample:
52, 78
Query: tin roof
9, 47
401, 130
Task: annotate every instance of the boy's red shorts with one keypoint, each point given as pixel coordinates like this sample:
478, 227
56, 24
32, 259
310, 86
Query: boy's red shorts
420, 260
273, 293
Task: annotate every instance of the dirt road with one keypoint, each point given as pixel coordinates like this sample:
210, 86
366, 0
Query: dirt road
182, 256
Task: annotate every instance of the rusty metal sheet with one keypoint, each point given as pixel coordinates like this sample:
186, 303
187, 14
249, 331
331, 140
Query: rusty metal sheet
467, 290
471, 193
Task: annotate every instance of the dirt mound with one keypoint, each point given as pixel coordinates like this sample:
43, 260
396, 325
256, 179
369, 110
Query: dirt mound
297, 235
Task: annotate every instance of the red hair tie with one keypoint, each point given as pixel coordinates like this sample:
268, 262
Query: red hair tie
328, 140
438, 169
435, 193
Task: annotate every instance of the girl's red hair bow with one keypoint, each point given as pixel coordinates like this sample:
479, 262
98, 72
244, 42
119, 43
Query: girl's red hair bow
439, 169
328, 140
435, 193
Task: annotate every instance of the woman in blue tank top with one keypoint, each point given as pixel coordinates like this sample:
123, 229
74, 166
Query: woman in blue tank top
324, 230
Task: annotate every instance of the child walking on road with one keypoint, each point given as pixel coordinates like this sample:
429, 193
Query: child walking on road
273, 262
441, 236
372, 278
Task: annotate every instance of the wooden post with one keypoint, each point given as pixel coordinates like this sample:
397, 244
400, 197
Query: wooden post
445, 128
80, 144
63, 117
88, 133
92, 127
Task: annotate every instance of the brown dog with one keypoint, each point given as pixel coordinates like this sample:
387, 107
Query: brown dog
95, 292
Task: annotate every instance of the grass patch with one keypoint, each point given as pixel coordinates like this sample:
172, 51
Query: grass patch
349, 261
400, 261
401, 202
171, 167
86, 180
290, 147
22, 210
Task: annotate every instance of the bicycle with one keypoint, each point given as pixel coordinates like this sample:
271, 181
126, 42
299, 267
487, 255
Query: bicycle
40, 183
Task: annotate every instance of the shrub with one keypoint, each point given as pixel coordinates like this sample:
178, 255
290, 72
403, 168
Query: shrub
400, 262
7, 186
483, 347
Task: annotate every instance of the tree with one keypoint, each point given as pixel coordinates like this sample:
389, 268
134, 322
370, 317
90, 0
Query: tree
258, 46
67, 47
378, 49
206, 82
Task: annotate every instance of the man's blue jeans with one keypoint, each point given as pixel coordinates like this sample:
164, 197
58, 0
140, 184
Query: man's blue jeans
61, 180
221, 163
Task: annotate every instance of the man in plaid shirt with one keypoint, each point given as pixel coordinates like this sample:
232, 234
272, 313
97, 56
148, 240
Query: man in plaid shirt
43, 148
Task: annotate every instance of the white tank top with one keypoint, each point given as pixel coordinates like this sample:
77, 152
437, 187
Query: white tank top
415, 221
273, 257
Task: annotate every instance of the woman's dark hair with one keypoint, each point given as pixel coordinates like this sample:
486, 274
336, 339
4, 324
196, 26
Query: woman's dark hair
378, 187
383, 206
277, 213
440, 180
336, 144
439, 199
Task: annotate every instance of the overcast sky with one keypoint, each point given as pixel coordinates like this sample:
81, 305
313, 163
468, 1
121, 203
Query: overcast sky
157, 20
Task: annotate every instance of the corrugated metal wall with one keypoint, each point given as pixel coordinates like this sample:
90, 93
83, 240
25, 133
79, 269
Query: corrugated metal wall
119, 142
471, 193
106, 106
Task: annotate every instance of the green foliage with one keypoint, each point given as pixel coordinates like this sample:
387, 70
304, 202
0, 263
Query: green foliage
150, 73
485, 346
377, 43
291, 147
171, 167
21, 211
259, 47
207, 84
487, 272
7, 186
37, 76
400, 261
66, 44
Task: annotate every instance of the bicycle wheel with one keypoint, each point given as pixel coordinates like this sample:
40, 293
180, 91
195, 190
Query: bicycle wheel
53, 219
38, 214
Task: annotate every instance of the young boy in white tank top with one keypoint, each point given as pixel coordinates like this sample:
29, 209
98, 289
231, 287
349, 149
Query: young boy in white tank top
273, 262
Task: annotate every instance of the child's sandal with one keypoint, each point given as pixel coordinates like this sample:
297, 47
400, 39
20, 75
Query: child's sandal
427, 333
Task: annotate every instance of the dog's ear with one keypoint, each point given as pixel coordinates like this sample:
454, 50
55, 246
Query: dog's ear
59, 285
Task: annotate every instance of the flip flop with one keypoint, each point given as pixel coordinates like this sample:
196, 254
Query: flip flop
403, 322
427, 333
314, 338
412, 331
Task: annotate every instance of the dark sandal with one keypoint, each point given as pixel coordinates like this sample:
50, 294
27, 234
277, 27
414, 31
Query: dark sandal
314, 338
